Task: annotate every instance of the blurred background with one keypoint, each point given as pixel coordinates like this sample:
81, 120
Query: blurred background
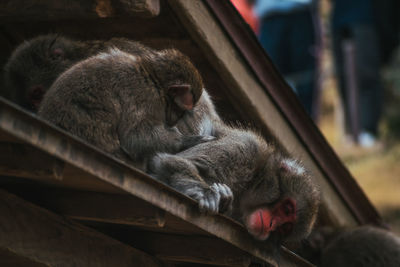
342, 59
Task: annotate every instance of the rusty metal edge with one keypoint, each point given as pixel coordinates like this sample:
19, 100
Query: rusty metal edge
31, 129
281, 94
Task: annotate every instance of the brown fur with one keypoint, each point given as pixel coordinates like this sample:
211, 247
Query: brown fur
120, 102
250, 168
35, 64
362, 246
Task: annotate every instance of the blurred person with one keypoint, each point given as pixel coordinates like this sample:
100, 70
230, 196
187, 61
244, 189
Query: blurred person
288, 34
245, 8
357, 57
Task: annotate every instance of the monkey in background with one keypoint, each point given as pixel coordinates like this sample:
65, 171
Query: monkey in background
127, 104
241, 175
35, 64
366, 246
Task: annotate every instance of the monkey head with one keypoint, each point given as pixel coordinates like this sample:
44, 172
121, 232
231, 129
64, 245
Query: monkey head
282, 201
34, 65
180, 81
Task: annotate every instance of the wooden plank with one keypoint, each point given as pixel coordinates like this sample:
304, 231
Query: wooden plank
183, 248
106, 208
99, 207
26, 161
37, 234
10, 259
42, 10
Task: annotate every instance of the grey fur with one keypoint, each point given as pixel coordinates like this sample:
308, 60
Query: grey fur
119, 102
243, 163
365, 246
35, 64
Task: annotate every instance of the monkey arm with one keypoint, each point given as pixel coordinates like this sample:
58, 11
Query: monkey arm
182, 175
146, 139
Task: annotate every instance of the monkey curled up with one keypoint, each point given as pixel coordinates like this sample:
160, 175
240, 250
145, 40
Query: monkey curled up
127, 104
273, 194
35, 64
366, 246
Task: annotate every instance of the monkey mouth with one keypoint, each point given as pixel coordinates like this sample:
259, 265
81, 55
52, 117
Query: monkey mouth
259, 225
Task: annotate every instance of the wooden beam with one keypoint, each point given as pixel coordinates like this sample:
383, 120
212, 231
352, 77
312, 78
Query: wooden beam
11, 259
22, 160
106, 208
37, 234
185, 248
98, 207
42, 10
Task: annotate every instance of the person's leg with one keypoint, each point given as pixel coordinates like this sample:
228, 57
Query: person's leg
303, 61
273, 38
338, 36
368, 64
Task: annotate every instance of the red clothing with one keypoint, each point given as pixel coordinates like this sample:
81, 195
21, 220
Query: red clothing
247, 13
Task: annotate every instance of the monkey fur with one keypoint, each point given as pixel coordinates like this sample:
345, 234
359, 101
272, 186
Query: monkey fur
366, 246
35, 64
127, 104
241, 175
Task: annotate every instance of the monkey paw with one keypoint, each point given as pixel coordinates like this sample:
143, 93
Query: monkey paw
217, 198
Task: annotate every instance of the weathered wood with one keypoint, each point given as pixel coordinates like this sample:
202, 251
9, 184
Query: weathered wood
193, 249
101, 207
10, 259
26, 161
46, 238
25, 10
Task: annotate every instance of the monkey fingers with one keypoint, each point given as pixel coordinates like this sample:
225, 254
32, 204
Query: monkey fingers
216, 196
225, 204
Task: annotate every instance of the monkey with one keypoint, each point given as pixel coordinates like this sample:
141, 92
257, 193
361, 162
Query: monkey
362, 246
241, 175
352, 246
35, 64
128, 105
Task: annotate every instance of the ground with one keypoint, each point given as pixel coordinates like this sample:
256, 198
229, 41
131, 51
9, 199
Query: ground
377, 170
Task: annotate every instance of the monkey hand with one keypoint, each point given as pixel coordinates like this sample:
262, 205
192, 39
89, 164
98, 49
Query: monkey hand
189, 141
216, 198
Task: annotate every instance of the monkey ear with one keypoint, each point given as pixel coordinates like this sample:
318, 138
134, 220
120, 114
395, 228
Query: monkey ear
182, 95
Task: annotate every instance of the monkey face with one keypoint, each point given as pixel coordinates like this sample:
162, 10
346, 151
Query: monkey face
282, 202
34, 66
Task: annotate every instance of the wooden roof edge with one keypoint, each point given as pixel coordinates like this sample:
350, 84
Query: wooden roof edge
22, 10
291, 108
31, 129
33, 236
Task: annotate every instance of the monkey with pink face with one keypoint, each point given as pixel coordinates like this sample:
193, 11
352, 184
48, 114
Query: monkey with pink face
271, 194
